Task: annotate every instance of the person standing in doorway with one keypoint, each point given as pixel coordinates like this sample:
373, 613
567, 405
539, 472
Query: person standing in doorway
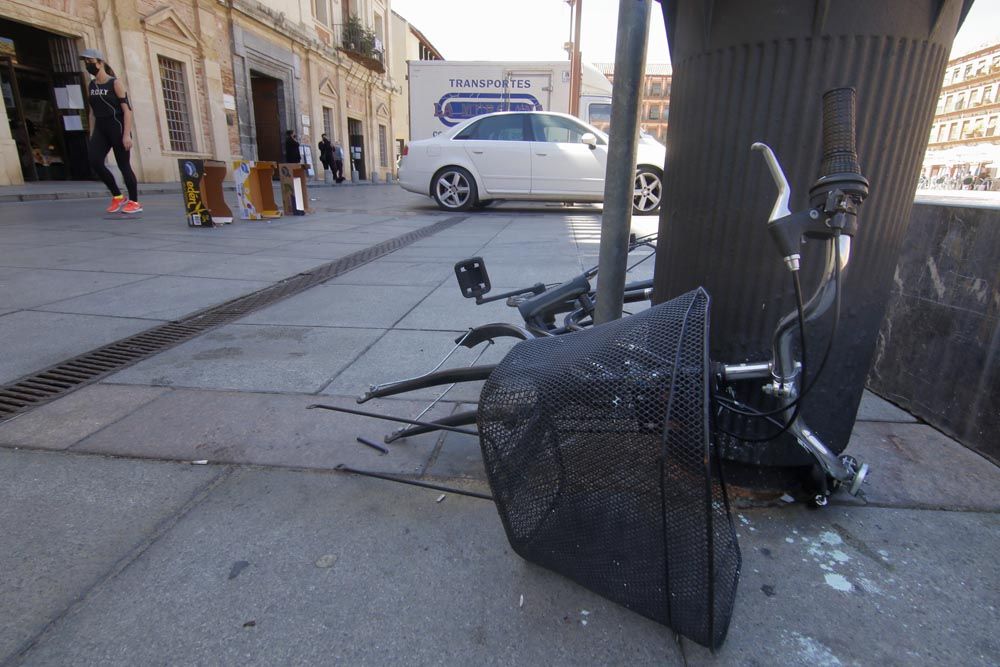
338, 162
111, 123
292, 148
326, 153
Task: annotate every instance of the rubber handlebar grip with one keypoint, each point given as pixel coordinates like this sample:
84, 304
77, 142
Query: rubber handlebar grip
840, 153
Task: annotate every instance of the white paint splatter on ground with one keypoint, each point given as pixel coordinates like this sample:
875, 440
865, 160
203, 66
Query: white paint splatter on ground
869, 586
812, 652
838, 582
825, 552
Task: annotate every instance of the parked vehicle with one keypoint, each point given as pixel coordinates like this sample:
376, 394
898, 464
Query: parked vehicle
532, 155
445, 93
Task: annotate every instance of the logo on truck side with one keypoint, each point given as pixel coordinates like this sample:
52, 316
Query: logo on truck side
453, 108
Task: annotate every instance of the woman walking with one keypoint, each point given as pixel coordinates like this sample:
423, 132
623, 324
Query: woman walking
111, 123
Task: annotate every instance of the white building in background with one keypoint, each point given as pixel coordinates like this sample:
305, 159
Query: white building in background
408, 44
964, 146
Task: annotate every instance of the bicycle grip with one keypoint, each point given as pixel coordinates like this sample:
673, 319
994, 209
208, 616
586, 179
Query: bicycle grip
840, 153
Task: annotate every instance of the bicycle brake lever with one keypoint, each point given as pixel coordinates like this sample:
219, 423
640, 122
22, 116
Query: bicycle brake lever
780, 209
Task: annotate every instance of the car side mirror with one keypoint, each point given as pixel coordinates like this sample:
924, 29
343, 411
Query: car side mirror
590, 139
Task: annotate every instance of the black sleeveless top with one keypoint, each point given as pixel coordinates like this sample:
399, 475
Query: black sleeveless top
104, 102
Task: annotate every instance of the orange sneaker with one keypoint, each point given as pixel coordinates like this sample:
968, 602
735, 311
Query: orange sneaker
116, 204
132, 207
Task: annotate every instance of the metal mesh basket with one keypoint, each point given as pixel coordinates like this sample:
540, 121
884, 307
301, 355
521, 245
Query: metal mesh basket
597, 448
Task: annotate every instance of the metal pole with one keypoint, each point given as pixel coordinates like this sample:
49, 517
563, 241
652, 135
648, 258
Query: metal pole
619, 180
576, 67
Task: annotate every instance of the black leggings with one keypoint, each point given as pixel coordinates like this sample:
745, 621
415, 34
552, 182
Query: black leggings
107, 135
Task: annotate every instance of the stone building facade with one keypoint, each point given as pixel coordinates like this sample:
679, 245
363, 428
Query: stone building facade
655, 102
220, 79
964, 142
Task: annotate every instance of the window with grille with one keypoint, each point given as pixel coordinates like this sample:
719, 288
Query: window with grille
328, 122
175, 103
383, 146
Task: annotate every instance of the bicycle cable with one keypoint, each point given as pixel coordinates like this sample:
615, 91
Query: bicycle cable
751, 412
800, 308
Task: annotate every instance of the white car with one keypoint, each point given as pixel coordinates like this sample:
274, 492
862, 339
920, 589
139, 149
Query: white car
532, 156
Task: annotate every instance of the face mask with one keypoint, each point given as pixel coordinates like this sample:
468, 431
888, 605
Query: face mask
92, 68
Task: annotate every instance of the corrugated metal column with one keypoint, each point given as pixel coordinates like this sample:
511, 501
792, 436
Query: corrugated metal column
619, 181
755, 70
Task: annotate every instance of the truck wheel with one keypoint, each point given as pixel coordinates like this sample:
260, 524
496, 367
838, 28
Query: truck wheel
454, 189
648, 190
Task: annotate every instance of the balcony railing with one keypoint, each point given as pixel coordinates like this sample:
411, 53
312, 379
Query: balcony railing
361, 45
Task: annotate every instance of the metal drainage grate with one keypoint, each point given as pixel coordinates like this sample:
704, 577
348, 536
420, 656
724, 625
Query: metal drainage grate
55, 381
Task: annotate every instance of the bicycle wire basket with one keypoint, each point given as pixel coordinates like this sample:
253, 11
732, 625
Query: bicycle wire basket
597, 448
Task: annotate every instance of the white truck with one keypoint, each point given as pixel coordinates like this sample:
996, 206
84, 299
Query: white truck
443, 93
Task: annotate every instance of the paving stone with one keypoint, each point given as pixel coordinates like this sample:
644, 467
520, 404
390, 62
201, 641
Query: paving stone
36, 340
874, 408
292, 568
253, 358
402, 354
263, 429
913, 465
67, 420
331, 305
30, 288
67, 520
161, 298
863, 586
446, 309
398, 273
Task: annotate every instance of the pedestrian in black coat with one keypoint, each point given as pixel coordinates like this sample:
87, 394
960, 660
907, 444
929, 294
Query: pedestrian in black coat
292, 148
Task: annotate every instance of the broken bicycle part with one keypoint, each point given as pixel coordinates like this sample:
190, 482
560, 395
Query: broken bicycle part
373, 445
412, 482
376, 415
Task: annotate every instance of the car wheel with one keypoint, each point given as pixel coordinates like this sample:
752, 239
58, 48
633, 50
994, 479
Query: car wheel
454, 189
647, 192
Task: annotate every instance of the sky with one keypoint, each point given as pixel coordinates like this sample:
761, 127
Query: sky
537, 29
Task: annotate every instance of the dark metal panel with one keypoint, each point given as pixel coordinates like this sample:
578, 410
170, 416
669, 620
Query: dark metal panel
938, 352
755, 71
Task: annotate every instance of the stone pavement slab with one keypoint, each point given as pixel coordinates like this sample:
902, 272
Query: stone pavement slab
445, 309
160, 298
254, 358
68, 420
62, 256
863, 586
914, 465
367, 306
321, 250
398, 273
262, 429
402, 354
68, 521
30, 288
874, 408
294, 568
36, 340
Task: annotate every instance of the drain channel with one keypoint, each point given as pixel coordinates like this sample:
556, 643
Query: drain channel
47, 385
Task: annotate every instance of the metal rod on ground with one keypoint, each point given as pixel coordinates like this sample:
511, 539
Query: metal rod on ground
373, 445
412, 482
375, 415
619, 182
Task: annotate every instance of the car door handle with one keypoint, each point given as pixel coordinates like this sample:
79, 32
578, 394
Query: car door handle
542, 154
477, 152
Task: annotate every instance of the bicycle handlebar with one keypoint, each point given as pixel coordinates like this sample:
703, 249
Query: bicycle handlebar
840, 153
